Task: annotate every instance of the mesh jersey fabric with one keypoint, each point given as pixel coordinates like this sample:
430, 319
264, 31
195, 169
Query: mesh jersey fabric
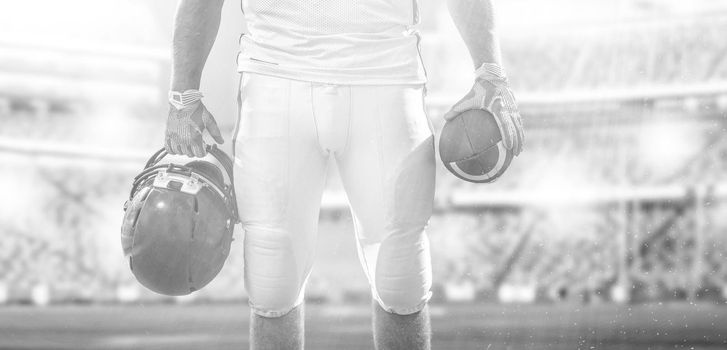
333, 41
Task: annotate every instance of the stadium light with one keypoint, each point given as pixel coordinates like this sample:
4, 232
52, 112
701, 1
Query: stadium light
128, 293
665, 146
691, 104
620, 293
40, 294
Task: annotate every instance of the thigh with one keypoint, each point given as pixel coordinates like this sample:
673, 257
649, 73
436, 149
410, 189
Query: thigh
279, 177
278, 164
388, 166
388, 172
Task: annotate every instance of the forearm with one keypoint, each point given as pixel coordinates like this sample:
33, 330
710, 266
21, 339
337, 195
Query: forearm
195, 28
475, 20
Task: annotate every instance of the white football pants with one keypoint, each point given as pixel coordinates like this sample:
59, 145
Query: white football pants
384, 147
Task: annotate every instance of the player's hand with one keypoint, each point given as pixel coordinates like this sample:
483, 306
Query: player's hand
492, 93
185, 127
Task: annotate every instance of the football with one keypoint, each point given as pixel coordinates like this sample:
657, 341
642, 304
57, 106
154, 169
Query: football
471, 147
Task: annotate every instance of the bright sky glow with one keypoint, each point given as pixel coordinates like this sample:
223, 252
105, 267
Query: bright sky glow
110, 126
560, 182
78, 20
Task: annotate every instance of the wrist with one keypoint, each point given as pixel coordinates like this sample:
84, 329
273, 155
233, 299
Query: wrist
491, 72
183, 99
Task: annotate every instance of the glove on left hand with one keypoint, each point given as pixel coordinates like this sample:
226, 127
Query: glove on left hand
491, 92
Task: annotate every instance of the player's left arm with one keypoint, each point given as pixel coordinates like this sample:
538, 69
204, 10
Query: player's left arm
475, 20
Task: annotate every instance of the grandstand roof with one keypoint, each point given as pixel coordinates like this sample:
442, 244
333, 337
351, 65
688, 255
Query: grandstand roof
68, 22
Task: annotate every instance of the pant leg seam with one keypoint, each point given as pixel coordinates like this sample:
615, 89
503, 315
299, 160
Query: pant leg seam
380, 154
350, 116
315, 120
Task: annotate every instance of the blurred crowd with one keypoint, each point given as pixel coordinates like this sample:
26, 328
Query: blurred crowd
662, 52
62, 232
621, 55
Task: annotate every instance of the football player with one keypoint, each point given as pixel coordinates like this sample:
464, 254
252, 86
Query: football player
340, 79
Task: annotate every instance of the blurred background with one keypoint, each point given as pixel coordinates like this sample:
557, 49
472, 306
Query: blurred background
608, 232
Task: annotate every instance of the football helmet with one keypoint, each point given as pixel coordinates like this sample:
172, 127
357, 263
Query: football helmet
179, 220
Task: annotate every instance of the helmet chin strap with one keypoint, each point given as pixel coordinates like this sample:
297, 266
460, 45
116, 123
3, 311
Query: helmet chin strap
192, 181
218, 154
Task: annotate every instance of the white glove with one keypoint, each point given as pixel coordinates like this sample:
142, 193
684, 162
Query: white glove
188, 118
492, 93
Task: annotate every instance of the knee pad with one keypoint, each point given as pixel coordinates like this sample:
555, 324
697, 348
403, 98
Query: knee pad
403, 277
274, 279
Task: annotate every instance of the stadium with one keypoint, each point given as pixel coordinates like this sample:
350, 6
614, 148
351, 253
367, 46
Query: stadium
608, 232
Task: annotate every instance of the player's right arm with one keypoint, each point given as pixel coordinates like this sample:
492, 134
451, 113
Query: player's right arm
195, 28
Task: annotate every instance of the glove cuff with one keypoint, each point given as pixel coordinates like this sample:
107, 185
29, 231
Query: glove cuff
491, 72
180, 100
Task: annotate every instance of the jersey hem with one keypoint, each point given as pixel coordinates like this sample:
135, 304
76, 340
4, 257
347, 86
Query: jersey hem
334, 78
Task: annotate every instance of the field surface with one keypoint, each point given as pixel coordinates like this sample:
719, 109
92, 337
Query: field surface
463, 326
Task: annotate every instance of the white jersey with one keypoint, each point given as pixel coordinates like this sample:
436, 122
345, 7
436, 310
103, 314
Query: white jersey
357, 42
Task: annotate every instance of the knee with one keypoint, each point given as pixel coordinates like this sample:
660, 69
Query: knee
274, 303
403, 302
403, 275
274, 279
